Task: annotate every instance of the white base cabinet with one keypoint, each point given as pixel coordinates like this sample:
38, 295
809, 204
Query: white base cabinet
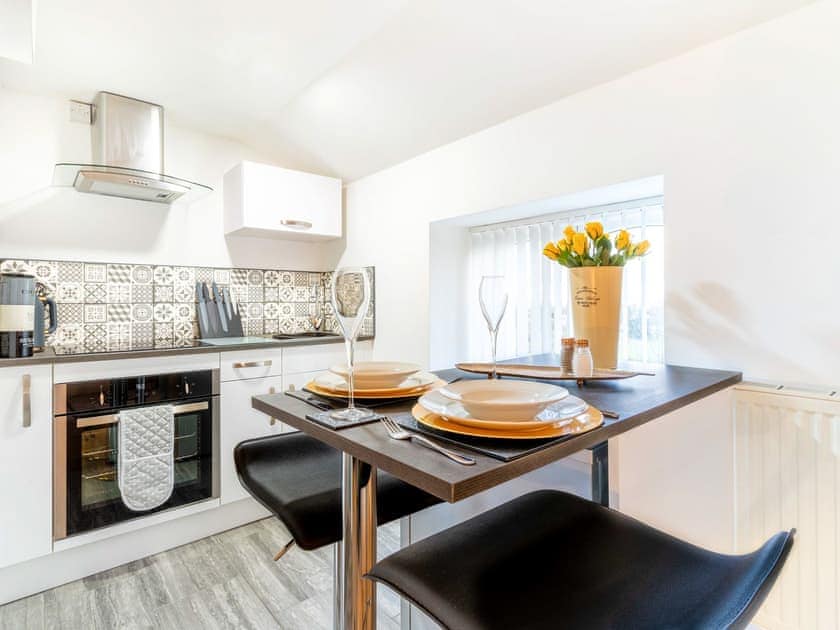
25, 463
239, 421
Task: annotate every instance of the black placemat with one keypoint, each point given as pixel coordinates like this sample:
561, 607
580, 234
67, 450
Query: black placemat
323, 418
504, 450
370, 403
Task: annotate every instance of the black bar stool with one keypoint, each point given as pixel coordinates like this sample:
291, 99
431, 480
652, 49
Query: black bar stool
298, 479
553, 560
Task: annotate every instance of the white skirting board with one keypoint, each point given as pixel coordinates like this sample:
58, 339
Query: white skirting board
787, 471
28, 578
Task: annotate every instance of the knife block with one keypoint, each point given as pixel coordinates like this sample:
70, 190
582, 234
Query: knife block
212, 309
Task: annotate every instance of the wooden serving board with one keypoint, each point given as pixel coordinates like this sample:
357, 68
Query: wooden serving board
547, 372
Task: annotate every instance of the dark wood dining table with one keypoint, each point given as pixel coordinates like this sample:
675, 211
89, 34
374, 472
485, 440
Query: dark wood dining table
636, 401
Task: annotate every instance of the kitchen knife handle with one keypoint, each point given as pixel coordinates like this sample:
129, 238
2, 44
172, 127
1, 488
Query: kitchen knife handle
27, 400
297, 224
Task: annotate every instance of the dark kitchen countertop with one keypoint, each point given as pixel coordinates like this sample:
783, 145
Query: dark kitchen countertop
48, 356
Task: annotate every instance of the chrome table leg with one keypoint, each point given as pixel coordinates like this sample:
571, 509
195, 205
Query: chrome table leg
358, 553
338, 584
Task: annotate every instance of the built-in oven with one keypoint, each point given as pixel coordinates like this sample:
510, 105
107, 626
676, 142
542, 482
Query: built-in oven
86, 491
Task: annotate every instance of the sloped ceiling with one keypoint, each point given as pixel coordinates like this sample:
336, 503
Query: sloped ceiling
354, 87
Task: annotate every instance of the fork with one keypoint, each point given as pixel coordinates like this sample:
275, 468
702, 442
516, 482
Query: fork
396, 432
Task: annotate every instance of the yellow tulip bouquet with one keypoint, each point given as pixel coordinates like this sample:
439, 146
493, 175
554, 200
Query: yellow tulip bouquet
594, 248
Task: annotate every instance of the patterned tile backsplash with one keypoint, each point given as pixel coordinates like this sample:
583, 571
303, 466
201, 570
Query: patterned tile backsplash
103, 304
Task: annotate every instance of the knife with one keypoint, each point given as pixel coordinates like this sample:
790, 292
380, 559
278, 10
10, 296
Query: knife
212, 313
203, 323
235, 318
217, 296
226, 297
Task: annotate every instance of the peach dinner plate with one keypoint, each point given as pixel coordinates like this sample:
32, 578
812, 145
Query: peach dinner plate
586, 421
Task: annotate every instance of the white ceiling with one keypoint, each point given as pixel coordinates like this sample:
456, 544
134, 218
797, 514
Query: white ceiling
349, 88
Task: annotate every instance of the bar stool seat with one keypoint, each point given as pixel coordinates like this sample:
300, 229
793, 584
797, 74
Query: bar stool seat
553, 560
298, 479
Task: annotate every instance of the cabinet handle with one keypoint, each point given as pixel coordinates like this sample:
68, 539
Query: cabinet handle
114, 418
27, 400
297, 224
249, 364
272, 421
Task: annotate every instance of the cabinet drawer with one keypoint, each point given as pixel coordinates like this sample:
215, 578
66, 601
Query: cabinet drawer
246, 364
322, 356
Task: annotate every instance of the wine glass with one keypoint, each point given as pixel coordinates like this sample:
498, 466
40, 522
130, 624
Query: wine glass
350, 297
492, 293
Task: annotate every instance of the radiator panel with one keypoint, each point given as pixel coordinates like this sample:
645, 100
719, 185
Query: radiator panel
787, 475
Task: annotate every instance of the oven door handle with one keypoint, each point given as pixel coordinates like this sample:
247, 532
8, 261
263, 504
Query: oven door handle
113, 418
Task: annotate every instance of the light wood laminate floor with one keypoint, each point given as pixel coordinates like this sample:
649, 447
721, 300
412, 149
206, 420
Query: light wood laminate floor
225, 581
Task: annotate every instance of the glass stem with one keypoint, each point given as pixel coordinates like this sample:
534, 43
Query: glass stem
350, 346
493, 335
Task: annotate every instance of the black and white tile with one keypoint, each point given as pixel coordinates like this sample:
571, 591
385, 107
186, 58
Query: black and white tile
105, 304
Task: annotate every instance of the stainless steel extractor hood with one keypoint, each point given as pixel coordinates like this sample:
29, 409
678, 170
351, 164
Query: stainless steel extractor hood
127, 150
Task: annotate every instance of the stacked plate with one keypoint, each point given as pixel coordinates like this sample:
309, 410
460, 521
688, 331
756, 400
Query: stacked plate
506, 409
375, 380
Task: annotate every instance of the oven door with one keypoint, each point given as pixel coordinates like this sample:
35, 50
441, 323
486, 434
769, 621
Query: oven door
87, 495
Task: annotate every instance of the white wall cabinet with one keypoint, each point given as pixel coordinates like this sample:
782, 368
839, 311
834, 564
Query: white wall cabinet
268, 201
25, 463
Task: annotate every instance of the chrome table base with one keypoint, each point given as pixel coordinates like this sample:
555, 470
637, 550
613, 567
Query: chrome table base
355, 597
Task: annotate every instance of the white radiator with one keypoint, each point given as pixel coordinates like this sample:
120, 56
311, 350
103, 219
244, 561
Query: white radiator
787, 474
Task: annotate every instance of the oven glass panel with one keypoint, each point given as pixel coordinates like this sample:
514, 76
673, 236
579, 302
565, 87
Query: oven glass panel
93, 494
99, 466
187, 451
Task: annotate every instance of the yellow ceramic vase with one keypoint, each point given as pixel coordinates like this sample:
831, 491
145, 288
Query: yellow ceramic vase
596, 310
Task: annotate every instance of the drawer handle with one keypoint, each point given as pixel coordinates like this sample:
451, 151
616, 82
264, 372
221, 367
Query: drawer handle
27, 400
249, 364
272, 421
296, 224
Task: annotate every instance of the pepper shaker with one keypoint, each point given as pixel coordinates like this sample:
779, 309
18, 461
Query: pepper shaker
567, 351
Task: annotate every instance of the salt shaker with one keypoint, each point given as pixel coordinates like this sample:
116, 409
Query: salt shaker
567, 350
582, 359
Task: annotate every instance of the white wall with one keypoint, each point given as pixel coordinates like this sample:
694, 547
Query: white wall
747, 136
37, 221
746, 133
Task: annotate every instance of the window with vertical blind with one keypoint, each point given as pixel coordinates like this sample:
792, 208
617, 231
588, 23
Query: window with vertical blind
539, 313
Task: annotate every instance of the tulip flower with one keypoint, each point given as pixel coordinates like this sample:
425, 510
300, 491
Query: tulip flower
641, 248
551, 251
579, 243
595, 230
622, 241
